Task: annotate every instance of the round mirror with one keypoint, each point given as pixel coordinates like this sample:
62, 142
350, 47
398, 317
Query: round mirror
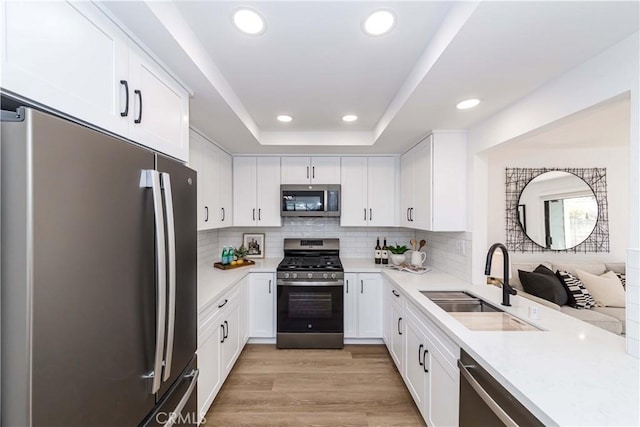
557, 210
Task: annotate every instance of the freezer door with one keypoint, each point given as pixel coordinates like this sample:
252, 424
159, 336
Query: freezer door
182, 305
82, 294
178, 406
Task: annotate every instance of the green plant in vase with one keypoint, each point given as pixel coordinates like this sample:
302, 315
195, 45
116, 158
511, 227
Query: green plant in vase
398, 253
240, 253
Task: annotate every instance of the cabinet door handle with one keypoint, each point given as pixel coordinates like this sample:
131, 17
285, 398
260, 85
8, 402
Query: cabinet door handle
139, 119
395, 293
206, 213
362, 286
399, 321
412, 215
224, 303
347, 286
254, 214
370, 214
424, 360
408, 215
269, 285
365, 214
313, 172
125, 113
420, 354
223, 215
223, 337
307, 172
259, 214
226, 329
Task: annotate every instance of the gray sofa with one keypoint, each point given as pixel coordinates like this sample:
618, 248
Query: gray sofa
610, 318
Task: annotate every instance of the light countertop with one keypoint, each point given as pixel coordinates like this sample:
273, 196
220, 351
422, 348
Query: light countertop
571, 373
212, 282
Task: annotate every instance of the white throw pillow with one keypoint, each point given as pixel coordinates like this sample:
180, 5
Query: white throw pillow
607, 289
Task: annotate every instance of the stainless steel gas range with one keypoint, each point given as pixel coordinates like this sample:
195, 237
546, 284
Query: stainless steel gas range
310, 281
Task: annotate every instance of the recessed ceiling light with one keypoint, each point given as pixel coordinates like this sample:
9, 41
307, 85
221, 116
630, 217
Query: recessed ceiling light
248, 21
350, 118
379, 23
467, 103
284, 118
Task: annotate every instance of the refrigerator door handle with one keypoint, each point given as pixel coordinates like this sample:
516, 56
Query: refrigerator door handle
175, 414
151, 179
171, 252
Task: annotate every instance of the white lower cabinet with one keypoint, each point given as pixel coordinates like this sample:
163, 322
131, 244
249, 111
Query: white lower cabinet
431, 373
425, 357
416, 370
262, 303
393, 313
362, 305
222, 332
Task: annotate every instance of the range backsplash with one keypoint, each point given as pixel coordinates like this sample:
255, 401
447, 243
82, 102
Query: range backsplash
355, 242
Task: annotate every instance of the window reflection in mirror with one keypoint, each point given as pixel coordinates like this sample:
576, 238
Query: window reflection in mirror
561, 210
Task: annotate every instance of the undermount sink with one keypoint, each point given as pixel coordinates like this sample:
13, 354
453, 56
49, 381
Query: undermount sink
458, 301
467, 309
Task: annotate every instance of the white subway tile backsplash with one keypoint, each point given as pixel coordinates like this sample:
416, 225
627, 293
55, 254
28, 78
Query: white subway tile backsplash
355, 242
633, 347
633, 313
442, 252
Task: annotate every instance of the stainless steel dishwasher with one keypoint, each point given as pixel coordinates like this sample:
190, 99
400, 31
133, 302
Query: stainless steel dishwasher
485, 403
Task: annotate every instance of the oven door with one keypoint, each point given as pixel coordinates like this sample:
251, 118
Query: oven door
310, 307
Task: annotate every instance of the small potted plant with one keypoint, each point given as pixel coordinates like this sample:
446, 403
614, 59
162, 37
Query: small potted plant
241, 253
397, 253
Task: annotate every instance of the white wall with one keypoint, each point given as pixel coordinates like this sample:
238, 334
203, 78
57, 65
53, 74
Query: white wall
614, 159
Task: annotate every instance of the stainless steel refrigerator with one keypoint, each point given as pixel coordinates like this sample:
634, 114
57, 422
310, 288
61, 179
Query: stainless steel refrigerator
98, 279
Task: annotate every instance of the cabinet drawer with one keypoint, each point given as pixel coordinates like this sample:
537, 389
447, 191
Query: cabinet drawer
212, 310
449, 350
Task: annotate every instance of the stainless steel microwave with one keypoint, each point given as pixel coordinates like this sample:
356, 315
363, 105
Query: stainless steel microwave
310, 200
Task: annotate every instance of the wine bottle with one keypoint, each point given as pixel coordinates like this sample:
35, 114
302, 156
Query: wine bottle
378, 252
385, 252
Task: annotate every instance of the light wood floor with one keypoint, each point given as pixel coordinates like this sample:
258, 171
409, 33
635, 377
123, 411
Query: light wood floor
356, 386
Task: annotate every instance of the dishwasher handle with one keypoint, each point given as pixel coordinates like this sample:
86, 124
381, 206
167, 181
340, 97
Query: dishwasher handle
482, 393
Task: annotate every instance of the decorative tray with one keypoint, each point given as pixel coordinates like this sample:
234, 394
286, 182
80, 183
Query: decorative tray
408, 267
246, 263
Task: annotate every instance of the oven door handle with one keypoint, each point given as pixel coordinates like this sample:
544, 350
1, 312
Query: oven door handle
301, 283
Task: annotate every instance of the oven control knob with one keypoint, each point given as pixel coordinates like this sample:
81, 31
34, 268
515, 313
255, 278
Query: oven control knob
310, 275
325, 276
286, 275
333, 275
295, 275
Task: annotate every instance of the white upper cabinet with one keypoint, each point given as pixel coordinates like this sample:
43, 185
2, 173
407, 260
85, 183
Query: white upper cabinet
68, 56
256, 191
214, 183
225, 189
159, 107
434, 183
310, 170
368, 192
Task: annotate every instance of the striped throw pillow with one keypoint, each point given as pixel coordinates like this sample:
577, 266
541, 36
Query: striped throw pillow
579, 296
623, 279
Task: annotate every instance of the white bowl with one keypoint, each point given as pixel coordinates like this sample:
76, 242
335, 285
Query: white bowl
397, 259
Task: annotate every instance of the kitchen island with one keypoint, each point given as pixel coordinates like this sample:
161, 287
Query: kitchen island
568, 373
